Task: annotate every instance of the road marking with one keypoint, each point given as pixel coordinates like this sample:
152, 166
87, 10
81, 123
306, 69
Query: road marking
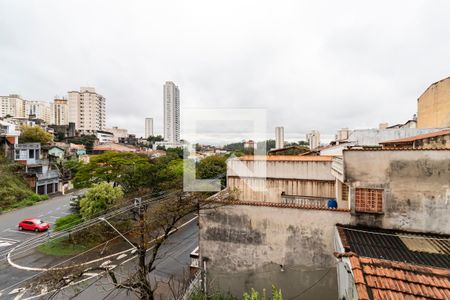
49, 212
58, 208
5, 243
19, 231
66, 213
8, 239
15, 291
121, 256
40, 216
54, 217
105, 263
90, 274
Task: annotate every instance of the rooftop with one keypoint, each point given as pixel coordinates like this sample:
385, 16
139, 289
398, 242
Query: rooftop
418, 137
393, 264
285, 158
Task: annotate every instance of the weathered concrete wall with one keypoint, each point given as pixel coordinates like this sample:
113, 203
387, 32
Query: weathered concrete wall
416, 187
245, 247
269, 190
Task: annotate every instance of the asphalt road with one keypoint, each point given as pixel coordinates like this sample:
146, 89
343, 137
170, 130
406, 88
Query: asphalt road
48, 211
172, 265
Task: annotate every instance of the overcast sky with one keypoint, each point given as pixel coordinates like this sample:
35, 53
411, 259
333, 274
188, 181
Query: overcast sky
312, 64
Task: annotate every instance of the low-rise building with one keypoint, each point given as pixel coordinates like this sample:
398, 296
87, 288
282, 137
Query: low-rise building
37, 171
396, 188
118, 133
104, 137
433, 140
390, 264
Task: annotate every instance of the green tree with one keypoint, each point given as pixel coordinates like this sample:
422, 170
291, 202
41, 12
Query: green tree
126, 169
152, 139
87, 140
34, 134
212, 167
98, 198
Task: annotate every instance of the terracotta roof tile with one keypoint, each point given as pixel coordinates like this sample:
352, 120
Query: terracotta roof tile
286, 158
418, 137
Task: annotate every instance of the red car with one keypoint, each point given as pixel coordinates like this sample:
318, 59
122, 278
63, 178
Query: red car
33, 224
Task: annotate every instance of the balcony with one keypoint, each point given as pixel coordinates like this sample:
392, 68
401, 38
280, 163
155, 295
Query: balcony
308, 201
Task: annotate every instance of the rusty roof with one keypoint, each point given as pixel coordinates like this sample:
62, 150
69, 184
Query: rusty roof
285, 158
393, 264
418, 137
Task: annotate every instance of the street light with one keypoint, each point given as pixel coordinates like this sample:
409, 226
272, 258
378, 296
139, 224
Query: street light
103, 219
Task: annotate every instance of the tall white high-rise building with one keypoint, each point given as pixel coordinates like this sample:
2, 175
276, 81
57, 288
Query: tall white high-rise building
87, 109
40, 109
171, 113
12, 105
148, 127
313, 139
60, 113
279, 137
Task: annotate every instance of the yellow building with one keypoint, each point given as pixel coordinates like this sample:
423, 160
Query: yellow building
433, 106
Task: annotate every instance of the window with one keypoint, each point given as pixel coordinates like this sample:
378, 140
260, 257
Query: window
344, 191
31, 153
17, 154
369, 200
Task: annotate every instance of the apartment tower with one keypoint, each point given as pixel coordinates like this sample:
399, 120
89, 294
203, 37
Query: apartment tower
279, 137
60, 112
171, 113
87, 109
313, 139
148, 127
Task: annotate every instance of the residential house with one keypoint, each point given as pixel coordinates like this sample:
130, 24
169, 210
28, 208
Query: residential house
380, 264
37, 171
9, 137
56, 151
433, 140
279, 231
401, 189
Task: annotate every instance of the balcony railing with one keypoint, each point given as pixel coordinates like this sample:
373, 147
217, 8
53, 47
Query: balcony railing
319, 202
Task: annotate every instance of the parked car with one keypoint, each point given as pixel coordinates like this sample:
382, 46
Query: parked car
33, 224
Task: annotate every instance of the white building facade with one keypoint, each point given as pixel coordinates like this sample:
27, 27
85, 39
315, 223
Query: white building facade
87, 109
12, 105
279, 137
313, 139
171, 113
40, 109
148, 127
60, 113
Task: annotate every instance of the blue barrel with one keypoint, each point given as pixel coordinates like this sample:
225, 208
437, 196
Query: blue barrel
332, 203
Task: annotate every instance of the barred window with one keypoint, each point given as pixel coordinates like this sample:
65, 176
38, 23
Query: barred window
369, 200
345, 190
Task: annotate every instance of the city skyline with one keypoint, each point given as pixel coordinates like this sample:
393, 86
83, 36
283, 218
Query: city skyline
309, 75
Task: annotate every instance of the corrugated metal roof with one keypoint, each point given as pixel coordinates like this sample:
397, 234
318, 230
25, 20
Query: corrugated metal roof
285, 158
421, 248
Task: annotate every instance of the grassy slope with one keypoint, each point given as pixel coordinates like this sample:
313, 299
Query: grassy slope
14, 191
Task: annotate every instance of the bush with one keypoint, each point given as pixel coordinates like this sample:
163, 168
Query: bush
67, 222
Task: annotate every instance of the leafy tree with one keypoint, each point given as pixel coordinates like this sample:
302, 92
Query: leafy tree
34, 134
152, 139
98, 198
129, 170
87, 140
254, 295
212, 166
175, 152
234, 147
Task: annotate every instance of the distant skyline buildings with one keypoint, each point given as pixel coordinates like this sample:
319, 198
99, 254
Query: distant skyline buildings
279, 137
313, 139
171, 98
148, 127
87, 109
